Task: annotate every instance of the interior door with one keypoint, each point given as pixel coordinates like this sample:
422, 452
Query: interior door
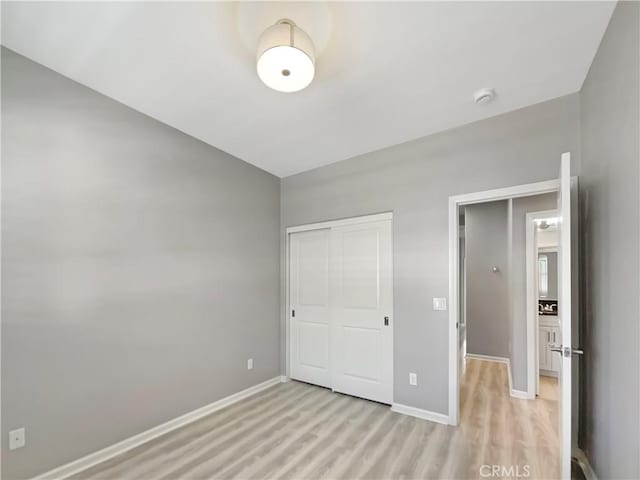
565, 304
362, 327
310, 314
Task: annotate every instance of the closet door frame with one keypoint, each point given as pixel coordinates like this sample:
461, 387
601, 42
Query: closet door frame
318, 226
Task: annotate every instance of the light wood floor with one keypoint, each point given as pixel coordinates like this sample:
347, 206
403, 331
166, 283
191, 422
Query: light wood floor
295, 430
549, 388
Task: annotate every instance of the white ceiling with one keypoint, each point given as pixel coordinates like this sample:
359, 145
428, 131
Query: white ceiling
386, 72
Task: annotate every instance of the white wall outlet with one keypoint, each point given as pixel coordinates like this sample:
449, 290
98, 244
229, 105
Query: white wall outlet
250, 364
17, 439
413, 379
440, 303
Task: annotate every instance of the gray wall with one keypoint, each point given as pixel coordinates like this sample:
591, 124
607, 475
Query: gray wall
487, 321
139, 270
520, 208
610, 114
414, 180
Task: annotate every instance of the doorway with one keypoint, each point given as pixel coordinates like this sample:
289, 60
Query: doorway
543, 314
340, 299
566, 202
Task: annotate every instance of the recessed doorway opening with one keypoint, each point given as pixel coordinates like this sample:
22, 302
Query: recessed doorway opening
519, 356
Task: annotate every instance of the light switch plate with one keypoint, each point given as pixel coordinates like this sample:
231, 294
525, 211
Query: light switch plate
250, 364
17, 439
413, 379
439, 303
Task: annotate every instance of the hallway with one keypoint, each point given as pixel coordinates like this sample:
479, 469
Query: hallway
502, 430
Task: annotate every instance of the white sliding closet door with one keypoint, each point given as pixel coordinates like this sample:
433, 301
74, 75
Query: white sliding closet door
310, 315
362, 305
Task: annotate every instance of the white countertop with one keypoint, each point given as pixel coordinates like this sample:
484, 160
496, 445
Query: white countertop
549, 320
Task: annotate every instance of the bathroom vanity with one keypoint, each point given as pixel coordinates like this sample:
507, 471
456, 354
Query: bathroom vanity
548, 334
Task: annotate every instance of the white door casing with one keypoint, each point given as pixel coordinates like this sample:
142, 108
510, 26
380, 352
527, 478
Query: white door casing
455, 202
362, 308
310, 313
535, 338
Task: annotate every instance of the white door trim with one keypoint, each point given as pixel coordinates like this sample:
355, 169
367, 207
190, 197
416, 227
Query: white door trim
376, 217
533, 363
455, 202
318, 226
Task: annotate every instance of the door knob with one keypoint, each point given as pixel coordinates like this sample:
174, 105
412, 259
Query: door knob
566, 351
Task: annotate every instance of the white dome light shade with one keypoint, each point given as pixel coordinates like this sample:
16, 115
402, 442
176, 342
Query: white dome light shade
285, 69
286, 60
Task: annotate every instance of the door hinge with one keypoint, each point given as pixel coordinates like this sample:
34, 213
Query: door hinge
293, 313
386, 321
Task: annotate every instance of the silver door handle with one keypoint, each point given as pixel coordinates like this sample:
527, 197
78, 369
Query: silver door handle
566, 351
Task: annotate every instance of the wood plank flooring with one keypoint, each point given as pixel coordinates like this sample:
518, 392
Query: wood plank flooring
295, 430
549, 388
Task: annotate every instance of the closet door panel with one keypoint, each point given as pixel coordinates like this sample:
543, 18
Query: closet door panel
310, 314
362, 305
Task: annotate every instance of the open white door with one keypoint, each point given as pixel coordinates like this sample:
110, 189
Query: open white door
565, 300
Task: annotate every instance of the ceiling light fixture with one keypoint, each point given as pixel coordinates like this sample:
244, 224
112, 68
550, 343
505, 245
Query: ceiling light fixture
545, 223
484, 95
286, 57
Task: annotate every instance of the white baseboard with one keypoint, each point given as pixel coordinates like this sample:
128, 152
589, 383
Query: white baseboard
419, 413
513, 392
521, 394
583, 461
284, 379
487, 358
129, 443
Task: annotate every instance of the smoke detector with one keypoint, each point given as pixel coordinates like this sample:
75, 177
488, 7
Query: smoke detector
484, 95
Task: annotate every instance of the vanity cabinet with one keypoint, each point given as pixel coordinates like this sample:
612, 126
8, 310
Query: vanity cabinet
548, 334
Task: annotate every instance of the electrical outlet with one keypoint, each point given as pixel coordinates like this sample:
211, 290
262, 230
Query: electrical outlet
17, 439
250, 364
413, 379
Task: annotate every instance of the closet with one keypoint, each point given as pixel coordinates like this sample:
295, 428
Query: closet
341, 306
